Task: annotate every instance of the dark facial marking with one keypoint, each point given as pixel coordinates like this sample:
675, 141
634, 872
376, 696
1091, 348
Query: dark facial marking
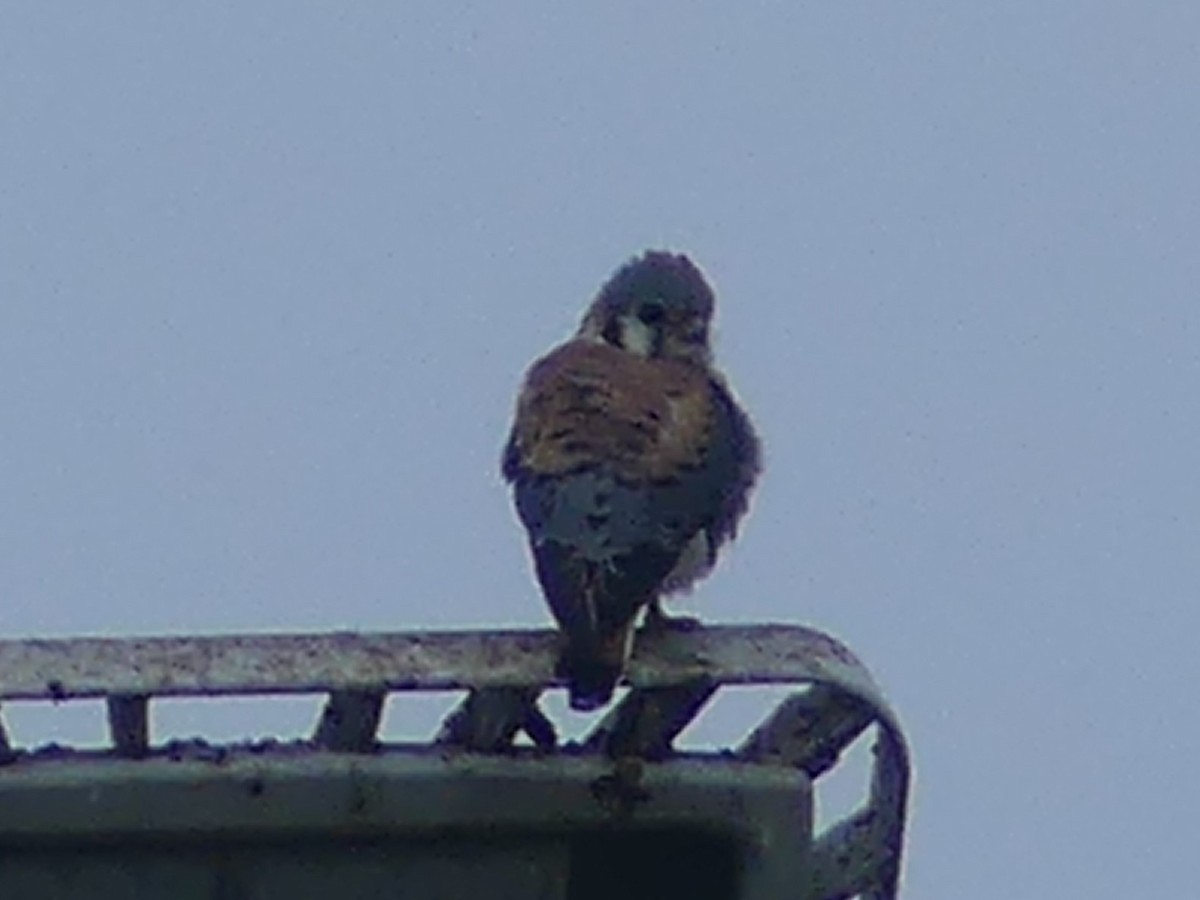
612, 332
651, 312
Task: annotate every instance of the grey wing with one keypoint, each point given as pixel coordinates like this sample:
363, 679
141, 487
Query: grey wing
734, 464
703, 505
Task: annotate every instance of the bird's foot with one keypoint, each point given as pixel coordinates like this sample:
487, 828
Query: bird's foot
658, 622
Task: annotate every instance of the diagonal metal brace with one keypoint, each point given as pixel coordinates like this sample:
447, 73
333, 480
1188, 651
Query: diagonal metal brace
809, 730
647, 720
489, 719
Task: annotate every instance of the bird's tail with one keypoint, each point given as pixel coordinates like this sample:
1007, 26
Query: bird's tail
593, 664
596, 603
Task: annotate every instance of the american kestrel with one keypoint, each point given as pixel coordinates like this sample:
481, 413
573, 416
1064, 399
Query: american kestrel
631, 463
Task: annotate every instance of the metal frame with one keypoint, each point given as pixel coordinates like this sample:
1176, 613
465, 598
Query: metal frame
673, 673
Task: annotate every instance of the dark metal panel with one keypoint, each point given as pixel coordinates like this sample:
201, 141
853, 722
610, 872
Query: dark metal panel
320, 870
312, 792
393, 824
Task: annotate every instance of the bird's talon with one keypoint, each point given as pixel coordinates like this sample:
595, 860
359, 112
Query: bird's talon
658, 622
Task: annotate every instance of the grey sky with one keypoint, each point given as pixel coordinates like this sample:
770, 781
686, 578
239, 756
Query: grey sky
269, 277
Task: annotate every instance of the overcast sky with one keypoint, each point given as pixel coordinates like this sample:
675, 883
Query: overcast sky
270, 275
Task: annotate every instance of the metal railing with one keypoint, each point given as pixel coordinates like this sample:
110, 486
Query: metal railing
672, 674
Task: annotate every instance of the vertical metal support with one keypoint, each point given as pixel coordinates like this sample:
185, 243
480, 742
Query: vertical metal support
129, 724
889, 798
350, 721
7, 753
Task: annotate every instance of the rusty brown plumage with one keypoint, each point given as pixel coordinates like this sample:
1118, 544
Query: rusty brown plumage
590, 403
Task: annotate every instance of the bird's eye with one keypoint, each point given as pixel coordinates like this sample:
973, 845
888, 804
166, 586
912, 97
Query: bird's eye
651, 313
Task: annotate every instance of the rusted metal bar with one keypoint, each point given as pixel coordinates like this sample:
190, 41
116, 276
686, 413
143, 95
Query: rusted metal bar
860, 855
846, 859
129, 724
647, 720
350, 721
488, 720
809, 730
320, 663
889, 803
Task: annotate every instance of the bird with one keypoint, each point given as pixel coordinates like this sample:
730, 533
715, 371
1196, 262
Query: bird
631, 463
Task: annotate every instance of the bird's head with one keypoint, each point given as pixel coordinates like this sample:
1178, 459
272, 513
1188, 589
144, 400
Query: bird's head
657, 305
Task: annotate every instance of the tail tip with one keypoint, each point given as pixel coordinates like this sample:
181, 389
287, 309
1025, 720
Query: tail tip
590, 683
592, 668
590, 699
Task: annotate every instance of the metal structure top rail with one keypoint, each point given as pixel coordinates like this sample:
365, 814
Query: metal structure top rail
672, 675
76, 668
